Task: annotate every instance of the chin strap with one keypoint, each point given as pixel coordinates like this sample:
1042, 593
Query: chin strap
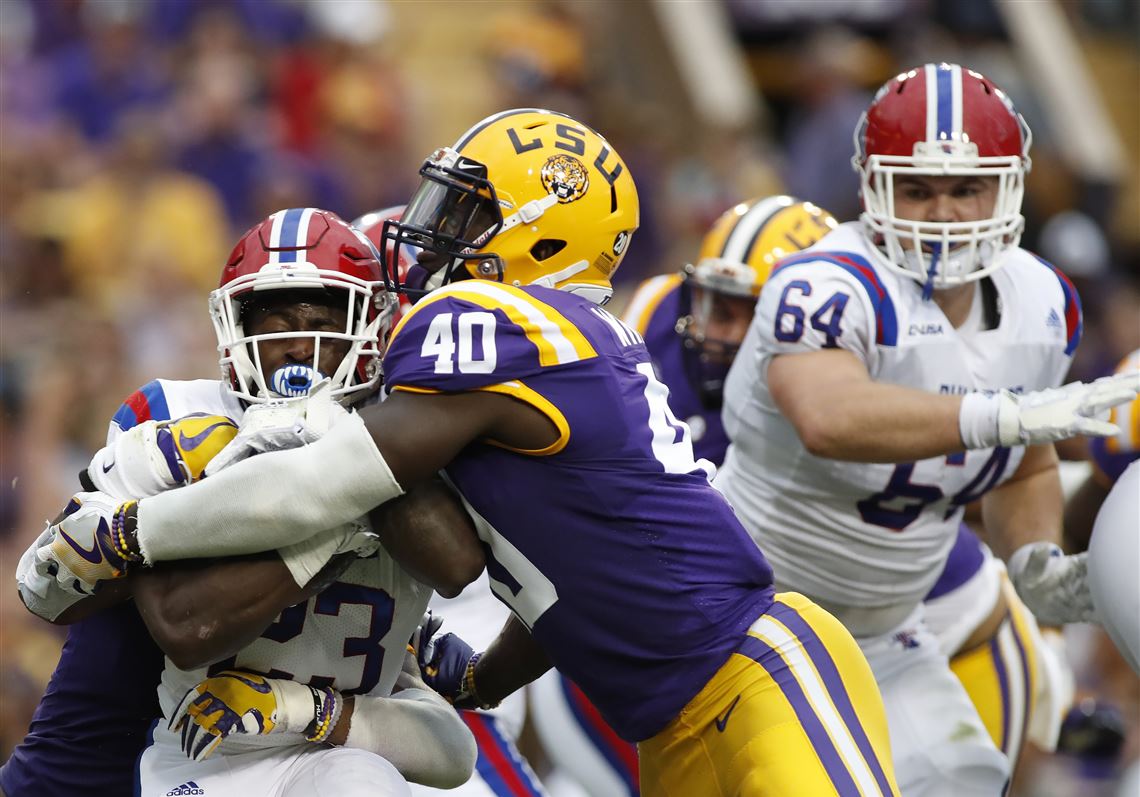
928, 287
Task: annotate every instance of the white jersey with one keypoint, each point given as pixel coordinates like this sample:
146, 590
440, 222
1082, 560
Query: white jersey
872, 538
352, 636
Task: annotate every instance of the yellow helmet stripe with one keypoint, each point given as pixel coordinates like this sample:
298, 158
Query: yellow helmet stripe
647, 298
746, 232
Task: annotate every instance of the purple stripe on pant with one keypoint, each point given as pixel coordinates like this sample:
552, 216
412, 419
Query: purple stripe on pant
825, 665
771, 661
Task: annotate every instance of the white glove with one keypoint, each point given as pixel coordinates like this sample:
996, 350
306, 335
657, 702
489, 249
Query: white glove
1044, 416
1054, 586
281, 424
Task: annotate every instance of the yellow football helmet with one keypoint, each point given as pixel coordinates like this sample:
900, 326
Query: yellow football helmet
720, 291
738, 252
527, 197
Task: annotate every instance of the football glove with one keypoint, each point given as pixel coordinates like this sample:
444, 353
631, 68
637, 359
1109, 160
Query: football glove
281, 424
81, 551
1044, 416
234, 702
1054, 586
447, 664
156, 456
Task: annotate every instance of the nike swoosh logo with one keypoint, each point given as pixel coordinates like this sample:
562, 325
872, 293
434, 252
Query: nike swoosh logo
190, 443
107, 468
723, 721
93, 555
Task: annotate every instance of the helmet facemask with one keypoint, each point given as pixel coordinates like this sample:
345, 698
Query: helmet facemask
708, 358
942, 254
453, 213
367, 315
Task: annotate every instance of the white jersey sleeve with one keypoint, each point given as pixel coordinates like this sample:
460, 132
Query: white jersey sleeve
810, 304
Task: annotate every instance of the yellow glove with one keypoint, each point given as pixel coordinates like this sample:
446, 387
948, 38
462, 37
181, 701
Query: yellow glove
244, 702
156, 456
194, 440
83, 550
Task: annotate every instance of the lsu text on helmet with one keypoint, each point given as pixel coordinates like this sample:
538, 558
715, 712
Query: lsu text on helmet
313, 255
737, 254
941, 120
526, 197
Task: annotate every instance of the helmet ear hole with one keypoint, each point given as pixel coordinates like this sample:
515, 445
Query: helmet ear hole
547, 248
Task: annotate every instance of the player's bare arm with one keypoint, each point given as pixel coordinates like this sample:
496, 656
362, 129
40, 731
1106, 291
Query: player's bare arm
431, 536
840, 413
375, 457
1027, 507
201, 611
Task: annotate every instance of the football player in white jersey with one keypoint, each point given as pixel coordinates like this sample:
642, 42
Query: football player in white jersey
900, 368
476, 615
313, 643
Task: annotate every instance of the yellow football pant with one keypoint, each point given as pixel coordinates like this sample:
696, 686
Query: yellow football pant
1001, 677
795, 711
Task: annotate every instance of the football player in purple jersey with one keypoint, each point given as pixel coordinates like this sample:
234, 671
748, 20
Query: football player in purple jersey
620, 563
692, 322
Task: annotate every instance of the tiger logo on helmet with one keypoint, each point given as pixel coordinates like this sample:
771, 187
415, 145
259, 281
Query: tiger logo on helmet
525, 197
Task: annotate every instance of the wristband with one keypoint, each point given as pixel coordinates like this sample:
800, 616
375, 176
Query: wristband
985, 421
469, 695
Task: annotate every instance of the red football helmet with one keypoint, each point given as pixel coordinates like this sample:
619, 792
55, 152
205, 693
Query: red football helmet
941, 119
304, 249
372, 225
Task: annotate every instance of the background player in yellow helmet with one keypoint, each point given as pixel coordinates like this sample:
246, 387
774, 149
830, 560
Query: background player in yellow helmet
693, 322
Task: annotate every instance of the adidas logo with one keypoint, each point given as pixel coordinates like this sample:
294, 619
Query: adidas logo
1054, 320
189, 787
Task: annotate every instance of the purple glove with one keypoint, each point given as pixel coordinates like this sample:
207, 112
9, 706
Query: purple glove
447, 664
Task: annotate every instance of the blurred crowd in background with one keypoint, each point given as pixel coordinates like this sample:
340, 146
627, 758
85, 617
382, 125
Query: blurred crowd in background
140, 138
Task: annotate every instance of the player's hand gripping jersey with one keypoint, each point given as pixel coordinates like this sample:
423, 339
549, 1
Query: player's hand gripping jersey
874, 536
664, 612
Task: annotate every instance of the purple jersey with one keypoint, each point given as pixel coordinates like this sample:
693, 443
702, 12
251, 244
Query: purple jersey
92, 721
610, 544
653, 311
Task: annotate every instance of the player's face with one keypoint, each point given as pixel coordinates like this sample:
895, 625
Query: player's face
944, 199
722, 320
303, 349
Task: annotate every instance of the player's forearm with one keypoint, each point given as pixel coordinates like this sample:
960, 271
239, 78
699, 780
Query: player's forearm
269, 501
874, 422
1028, 507
431, 536
201, 611
509, 663
415, 730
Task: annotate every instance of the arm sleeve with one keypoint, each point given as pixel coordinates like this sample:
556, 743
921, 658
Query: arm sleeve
418, 732
270, 501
